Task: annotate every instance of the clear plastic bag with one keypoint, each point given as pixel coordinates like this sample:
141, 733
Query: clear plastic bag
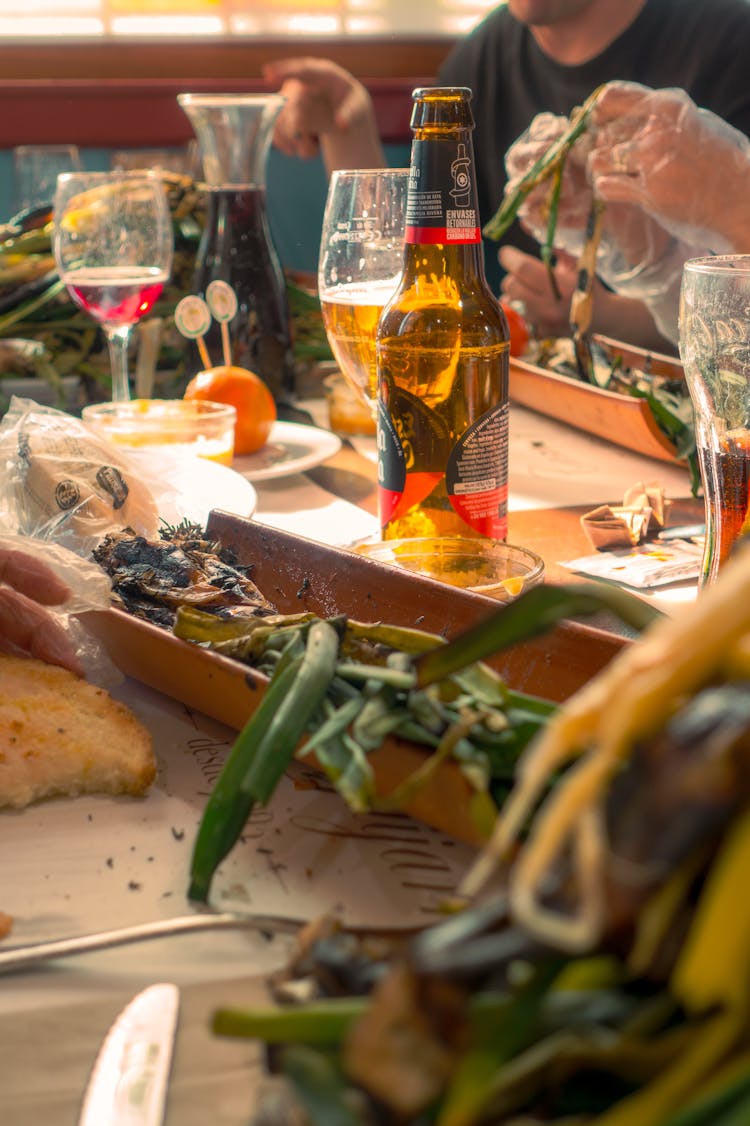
683, 166
63, 484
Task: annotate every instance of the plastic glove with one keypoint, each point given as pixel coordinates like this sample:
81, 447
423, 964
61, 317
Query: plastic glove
575, 194
684, 166
637, 256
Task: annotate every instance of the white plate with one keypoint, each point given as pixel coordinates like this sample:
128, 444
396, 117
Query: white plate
291, 448
189, 487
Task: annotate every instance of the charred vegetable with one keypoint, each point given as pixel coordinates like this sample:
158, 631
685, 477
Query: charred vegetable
152, 579
611, 985
348, 686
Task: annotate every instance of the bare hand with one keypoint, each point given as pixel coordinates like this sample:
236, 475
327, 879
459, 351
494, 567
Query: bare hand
27, 585
322, 98
528, 283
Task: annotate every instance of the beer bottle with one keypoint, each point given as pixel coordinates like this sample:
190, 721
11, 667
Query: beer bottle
442, 347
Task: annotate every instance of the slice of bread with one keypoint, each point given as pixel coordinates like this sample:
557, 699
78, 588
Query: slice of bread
60, 735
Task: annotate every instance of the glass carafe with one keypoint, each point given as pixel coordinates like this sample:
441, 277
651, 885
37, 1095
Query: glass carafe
234, 135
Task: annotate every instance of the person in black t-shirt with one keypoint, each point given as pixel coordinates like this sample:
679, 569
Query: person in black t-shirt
530, 56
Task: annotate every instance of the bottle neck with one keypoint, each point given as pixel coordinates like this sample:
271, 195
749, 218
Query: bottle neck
442, 216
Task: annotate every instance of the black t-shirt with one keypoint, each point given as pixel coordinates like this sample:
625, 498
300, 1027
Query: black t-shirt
702, 46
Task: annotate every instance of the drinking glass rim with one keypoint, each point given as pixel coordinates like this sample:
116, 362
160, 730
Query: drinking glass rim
340, 173
225, 99
112, 175
719, 264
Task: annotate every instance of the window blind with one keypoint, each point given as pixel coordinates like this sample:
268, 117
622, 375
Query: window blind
154, 19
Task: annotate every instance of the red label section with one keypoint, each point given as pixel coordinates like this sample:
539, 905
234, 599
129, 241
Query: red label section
417, 486
485, 512
434, 235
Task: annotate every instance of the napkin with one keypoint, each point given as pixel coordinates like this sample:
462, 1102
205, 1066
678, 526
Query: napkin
610, 526
643, 566
298, 505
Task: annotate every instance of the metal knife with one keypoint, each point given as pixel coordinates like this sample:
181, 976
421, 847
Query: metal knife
128, 1083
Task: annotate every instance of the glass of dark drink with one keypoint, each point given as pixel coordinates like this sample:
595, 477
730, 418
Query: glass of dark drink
113, 248
715, 351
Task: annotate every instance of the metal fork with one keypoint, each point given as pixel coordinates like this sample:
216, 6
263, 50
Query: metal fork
34, 954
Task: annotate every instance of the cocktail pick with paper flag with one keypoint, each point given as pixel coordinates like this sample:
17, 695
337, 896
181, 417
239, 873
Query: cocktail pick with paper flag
192, 318
226, 383
222, 301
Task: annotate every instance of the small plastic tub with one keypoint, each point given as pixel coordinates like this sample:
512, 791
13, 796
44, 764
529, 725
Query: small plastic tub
348, 413
490, 567
192, 426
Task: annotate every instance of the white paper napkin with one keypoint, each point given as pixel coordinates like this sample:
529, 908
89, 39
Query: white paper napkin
298, 505
645, 566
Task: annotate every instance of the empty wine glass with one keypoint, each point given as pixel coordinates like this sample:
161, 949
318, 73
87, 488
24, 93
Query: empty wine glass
113, 248
35, 172
361, 255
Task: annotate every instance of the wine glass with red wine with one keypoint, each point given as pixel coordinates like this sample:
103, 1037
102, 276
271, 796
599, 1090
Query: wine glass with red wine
113, 248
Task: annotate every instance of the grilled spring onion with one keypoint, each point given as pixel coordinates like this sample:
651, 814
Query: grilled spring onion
543, 169
264, 749
550, 166
328, 675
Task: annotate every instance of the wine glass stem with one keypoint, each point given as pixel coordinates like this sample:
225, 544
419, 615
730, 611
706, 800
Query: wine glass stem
117, 339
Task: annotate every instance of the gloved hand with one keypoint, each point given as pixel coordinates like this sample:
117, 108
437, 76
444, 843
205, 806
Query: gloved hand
683, 166
575, 195
639, 256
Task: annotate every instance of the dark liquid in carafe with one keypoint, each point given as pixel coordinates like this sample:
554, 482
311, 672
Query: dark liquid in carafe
237, 248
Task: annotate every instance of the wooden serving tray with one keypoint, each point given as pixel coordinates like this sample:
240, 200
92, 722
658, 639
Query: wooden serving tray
299, 574
623, 419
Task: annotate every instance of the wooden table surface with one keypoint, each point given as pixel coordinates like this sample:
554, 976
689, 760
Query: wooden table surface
553, 533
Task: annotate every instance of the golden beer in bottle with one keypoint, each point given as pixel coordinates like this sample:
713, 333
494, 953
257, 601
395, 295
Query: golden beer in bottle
442, 347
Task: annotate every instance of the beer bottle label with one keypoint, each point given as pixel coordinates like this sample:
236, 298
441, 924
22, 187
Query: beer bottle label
413, 447
442, 203
476, 474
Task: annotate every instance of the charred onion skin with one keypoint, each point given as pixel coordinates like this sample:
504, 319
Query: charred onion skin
152, 579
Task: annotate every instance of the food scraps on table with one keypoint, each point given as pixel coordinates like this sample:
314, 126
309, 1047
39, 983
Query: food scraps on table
642, 512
